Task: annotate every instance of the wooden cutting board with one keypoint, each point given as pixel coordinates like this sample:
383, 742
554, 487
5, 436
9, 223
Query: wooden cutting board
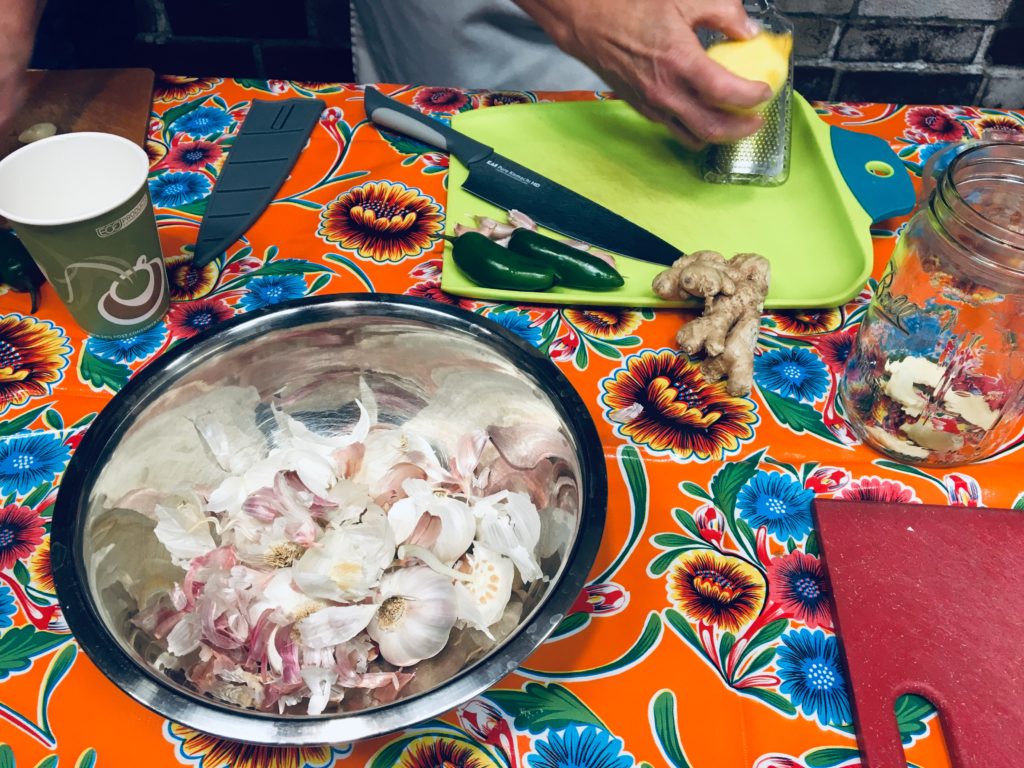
109, 100
929, 601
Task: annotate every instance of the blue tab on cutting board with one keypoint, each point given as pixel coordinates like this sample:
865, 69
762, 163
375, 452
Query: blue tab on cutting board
874, 173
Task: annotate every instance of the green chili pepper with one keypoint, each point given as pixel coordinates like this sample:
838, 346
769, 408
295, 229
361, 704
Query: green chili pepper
487, 263
573, 268
17, 268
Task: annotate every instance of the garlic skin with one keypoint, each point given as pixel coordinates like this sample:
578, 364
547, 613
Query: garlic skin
415, 615
347, 562
296, 569
508, 523
184, 530
456, 525
332, 626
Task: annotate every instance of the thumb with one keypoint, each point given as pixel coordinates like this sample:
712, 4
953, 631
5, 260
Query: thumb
731, 19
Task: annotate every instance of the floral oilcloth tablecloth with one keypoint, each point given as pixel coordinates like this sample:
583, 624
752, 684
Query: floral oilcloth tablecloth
704, 637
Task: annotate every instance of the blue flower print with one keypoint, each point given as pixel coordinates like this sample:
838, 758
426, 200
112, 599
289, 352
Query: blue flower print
272, 289
777, 502
173, 189
7, 607
520, 324
793, 372
579, 747
29, 460
812, 676
130, 348
924, 336
202, 121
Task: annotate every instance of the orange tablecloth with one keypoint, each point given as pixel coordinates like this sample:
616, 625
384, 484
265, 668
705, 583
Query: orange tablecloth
704, 638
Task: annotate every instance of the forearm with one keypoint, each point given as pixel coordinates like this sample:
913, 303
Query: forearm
18, 22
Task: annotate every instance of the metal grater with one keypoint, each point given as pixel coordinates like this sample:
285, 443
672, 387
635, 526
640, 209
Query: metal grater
763, 157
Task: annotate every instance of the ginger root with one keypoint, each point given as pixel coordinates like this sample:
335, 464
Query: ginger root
733, 291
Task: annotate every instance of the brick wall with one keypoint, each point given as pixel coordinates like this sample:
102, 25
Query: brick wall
924, 51
940, 51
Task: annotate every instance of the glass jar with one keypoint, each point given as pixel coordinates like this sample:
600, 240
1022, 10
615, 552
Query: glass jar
936, 375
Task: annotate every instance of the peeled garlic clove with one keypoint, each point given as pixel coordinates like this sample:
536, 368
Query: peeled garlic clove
415, 616
37, 132
319, 681
482, 600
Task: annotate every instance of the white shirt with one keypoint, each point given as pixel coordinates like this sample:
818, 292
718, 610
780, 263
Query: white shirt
467, 43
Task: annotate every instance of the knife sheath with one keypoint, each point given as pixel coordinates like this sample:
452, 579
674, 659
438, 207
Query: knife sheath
266, 148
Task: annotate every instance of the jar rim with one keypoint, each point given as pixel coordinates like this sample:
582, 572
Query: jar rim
966, 214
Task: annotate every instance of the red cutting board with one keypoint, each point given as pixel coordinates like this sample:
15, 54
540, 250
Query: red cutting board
930, 600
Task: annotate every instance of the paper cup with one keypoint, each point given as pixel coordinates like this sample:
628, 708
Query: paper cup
80, 204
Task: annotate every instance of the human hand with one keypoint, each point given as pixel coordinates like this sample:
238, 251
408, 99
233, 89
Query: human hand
17, 31
648, 51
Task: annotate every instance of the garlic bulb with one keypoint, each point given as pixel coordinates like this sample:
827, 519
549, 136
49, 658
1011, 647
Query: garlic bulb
415, 615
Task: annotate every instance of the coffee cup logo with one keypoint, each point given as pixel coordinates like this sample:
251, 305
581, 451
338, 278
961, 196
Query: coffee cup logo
135, 295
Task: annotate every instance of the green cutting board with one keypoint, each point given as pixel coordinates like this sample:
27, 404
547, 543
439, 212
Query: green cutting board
812, 228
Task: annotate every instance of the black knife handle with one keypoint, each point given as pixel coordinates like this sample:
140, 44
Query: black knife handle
393, 114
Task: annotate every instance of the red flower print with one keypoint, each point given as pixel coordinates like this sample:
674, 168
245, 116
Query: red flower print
193, 155
827, 479
446, 101
431, 289
835, 348
777, 761
798, 585
189, 318
876, 489
21, 531
601, 598
936, 123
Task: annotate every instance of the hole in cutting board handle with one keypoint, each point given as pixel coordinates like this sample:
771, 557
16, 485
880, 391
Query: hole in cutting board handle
912, 711
879, 168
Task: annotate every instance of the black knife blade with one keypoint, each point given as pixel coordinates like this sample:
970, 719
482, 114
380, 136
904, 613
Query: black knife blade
509, 185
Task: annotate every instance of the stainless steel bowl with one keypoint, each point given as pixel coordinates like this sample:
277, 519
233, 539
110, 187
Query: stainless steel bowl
458, 369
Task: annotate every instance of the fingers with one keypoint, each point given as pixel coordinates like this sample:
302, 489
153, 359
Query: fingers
721, 87
690, 116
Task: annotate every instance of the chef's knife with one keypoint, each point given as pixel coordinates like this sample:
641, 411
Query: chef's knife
512, 186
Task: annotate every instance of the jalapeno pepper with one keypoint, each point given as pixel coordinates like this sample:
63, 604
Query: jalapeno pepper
573, 268
17, 269
487, 263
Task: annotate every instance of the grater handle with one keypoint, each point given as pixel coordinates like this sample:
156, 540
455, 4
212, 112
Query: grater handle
874, 173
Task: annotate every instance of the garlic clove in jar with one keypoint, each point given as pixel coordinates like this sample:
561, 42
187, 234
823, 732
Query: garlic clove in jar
482, 600
416, 613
